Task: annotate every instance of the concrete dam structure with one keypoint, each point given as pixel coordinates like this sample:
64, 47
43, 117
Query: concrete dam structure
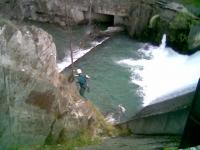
176, 116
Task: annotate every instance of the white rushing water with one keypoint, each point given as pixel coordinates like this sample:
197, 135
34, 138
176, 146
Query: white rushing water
78, 53
161, 73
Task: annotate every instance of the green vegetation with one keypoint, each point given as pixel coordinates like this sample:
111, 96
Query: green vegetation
6, 22
182, 20
2, 22
124, 132
100, 123
50, 139
16, 148
108, 128
178, 31
87, 137
82, 139
191, 2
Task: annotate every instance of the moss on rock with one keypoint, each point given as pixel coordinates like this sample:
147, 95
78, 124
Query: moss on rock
178, 31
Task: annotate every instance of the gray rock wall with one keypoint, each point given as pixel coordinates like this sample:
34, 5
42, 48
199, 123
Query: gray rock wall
136, 15
57, 10
35, 100
21, 122
30, 50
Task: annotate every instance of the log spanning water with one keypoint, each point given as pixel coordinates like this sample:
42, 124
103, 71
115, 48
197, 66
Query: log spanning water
66, 62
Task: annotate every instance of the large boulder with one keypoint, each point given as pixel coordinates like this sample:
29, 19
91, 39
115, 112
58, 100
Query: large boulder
30, 50
36, 102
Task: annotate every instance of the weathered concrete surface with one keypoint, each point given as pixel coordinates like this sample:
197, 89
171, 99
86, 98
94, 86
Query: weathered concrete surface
136, 142
167, 117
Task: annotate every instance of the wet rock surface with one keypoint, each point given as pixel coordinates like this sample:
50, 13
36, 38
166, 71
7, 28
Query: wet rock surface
35, 101
194, 38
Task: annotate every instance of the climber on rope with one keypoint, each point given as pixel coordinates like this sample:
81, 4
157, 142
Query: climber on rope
82, 80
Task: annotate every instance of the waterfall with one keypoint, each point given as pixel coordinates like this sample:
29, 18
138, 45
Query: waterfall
162, 73
163, 44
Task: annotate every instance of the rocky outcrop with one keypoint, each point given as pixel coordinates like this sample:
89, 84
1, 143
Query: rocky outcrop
174, 19
139, 19
38, 47
136, 15
35, 100
194, 38
57, 10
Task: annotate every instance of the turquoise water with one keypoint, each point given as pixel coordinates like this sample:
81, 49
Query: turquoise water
60, 36
110, 83
125, 71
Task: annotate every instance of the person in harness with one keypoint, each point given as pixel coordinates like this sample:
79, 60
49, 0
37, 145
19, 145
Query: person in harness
82, 80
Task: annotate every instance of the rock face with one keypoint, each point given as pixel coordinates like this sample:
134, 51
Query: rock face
194, 38
37, 45
173, 19
35, 100
57, 10
139, 19
135, 14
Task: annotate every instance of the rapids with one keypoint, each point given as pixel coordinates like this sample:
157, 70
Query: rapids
125, 71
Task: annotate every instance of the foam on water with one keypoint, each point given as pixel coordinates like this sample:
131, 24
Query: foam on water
76, 55
161, 73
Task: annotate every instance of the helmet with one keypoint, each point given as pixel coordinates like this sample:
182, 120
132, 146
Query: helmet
79, 71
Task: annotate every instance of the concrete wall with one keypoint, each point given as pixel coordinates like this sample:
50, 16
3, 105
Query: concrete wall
100, 17
167, 123
106, 11
167, 117
120, 20
109, 7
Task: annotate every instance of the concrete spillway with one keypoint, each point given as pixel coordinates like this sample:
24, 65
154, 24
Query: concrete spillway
167, 117
176, 116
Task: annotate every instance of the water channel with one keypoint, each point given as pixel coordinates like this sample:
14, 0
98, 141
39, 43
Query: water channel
125, 71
